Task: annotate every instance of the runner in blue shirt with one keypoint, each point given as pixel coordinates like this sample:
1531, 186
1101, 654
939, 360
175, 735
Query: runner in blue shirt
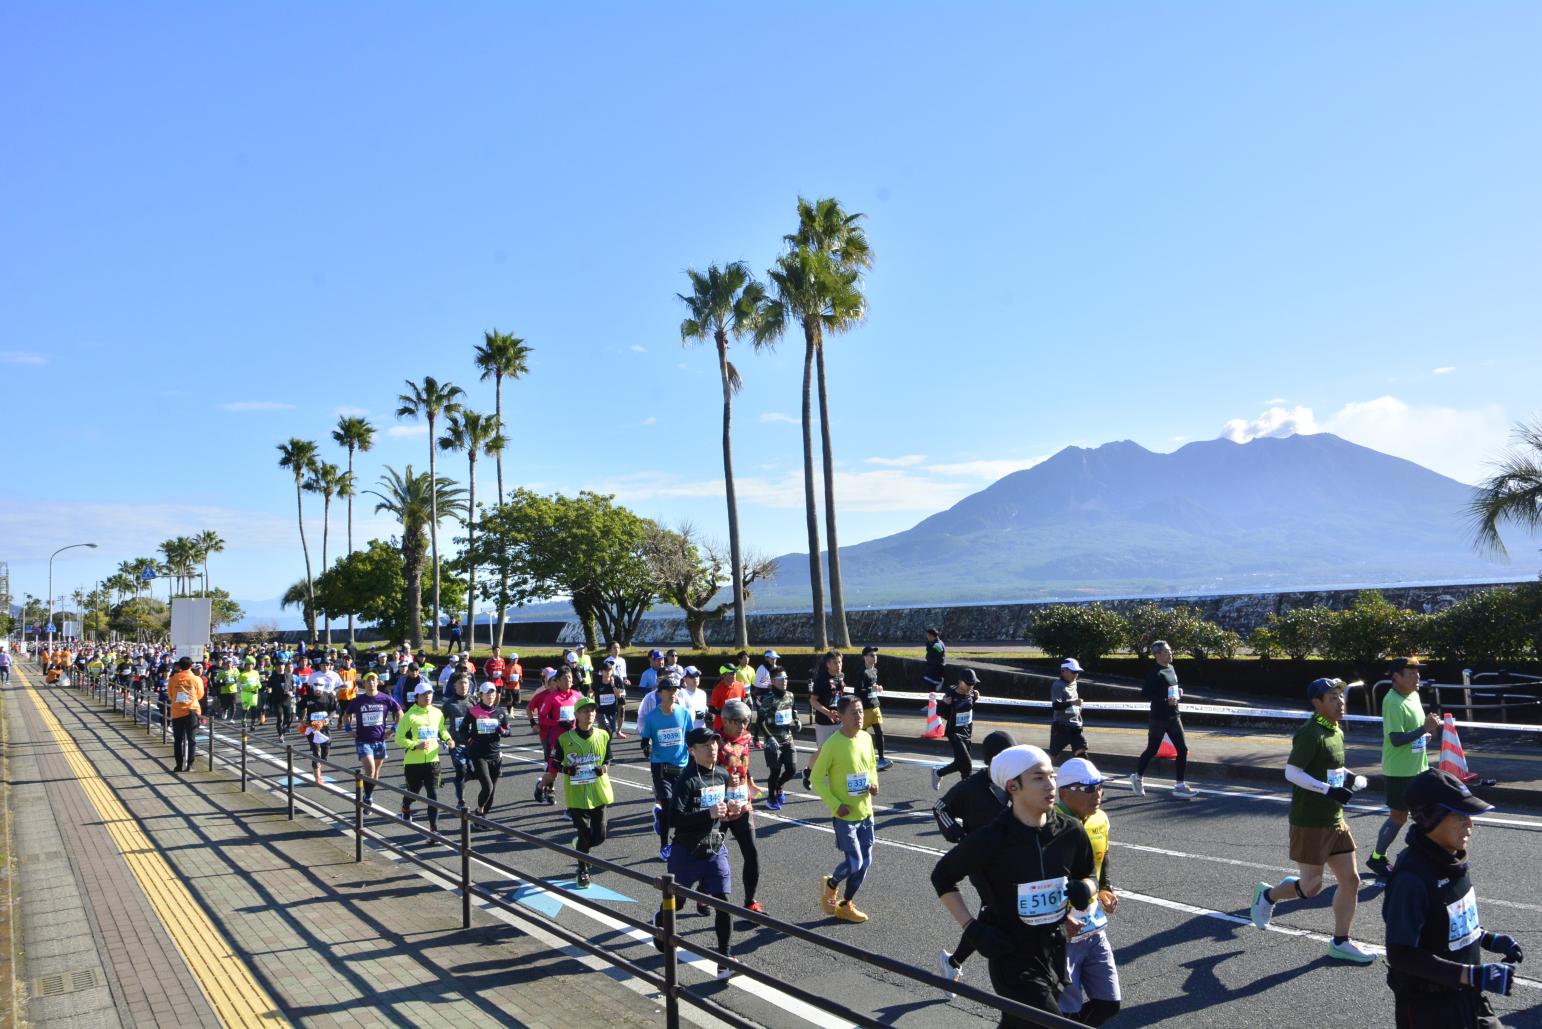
665, 728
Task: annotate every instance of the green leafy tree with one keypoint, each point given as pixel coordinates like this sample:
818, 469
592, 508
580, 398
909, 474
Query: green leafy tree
413, 500
1150, 622
369, 584
690, 573
353, 434
1208, 640
502, 356
429, 400
1264, 642
143, 618
299, 455
1084, 631
209, 542
1514, 492
1373, 630
474, 434
1302, 631
1494, 626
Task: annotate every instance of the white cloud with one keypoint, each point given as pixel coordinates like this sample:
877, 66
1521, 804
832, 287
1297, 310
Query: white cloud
257, 405
352, 412
637, 348
1273, 401
990, 470
1444, 370
126, 529
905, 461
407, 431
21, 357
1275, 423
1456, 442
777, 417
650, 420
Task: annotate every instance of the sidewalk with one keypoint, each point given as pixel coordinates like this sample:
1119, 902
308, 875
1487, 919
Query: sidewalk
147, 899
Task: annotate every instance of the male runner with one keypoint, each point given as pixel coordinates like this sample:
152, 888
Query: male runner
186, 691
1405, 738
1065, 726
734, 755
845, 775
664, 729
934, 675
367, 712
698, 857
823, 691
760, 688
1092, 993
956, 707
971, 803
868, 689
777, 718
1162, 692
456, 707
583, 754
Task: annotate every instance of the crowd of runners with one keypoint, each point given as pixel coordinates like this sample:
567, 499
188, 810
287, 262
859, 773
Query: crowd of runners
1031, 838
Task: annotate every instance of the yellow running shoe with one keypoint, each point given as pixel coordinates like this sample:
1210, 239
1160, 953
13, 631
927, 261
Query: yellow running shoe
827, 890
846, 911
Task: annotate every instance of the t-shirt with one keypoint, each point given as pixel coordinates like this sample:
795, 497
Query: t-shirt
824, 689
1318, 750
666, 733
727, 689
1400, 714
694, 700
1158, 688
958, 712
845, 768
867, 687
1062, 697
369, 715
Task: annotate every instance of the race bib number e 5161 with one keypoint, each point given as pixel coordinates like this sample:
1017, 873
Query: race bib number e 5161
1042, 902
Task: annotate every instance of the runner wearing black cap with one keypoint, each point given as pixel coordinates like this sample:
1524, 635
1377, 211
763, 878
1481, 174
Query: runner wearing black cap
973, 802
934, 674
823, 692
868, 689
957, 708
1435, 939
1405, 739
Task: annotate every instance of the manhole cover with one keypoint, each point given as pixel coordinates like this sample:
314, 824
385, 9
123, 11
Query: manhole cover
65, 982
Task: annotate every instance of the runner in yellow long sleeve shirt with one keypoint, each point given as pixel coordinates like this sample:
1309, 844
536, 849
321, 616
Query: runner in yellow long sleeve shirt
845, 775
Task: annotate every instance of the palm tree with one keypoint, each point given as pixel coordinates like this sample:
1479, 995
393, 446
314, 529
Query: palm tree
502, 356
209, 542
428, 401
475, 434
1514, 492
299, 595
181, 555
825, 228
812, 292
354, 434
299, 455
329, 480
724, 300
413, 500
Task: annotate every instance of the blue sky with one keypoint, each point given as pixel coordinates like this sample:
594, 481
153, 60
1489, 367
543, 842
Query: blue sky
224, 223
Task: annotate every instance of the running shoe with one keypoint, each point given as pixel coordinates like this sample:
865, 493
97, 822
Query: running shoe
664, 852
806, 784
884, 764
701, 909
540, 794
936, 779
948, 970
657, 811
827, 889
781, 797
1137, 787
724, 972
1262, 909
1183, 791
1352, 952
582, 882
846, 911
775, 803
1379, 865
755, 906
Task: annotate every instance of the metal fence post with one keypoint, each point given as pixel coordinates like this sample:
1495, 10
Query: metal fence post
243, 760
465, 869
358, 817
164, 720
211, 744
289, 779
667, 926
1466, 694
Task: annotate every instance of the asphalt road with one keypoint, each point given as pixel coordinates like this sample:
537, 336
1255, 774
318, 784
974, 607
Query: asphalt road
1187, 954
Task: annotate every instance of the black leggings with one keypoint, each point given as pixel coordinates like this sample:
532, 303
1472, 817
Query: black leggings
962, 762
664, 795
743, 830
184, 739
422, 778
1171, 727
781, 764
487, 771
590, 825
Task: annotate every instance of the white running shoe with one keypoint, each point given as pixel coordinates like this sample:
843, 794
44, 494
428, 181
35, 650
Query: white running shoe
936, 779
1136, 786
947, 970
1262, 909
1183, 791
1352, 952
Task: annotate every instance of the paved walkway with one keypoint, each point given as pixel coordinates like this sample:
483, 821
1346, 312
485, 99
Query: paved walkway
145, 899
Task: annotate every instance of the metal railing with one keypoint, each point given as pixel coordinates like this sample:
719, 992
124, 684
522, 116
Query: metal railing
145, 708
1494, 691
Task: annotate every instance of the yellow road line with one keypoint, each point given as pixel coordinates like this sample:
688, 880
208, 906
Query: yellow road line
234, 994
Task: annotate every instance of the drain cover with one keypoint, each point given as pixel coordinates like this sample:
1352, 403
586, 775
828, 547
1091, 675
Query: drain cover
65, 982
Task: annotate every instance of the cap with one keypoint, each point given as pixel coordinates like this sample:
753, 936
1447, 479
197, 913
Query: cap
609, 662
569, 657
513, 656
1401, 664
932, 631
423, 688
1014, 761
1080, 772
488, 687
996, 742
655, 655
668, 682
773, 655
1436, 788
580, 646
370, 677
970, 676
780, 673
692, 672
700, 734
583, 703
1321, 686
1070, 664
869, 649
548, 674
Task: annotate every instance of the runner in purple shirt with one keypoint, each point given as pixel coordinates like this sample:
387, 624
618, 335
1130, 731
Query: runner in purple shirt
369, 713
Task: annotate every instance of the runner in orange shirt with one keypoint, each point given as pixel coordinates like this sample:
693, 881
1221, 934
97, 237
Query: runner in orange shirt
186, 692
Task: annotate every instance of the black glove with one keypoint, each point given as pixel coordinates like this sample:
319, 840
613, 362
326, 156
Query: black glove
1500, 944
995, 943
1339, 795
1079, 893
1488, 978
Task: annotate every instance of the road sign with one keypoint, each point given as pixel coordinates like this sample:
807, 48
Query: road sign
147, 575
51, 627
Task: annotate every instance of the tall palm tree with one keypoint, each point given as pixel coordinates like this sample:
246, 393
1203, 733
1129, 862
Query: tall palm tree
328, 480
298, 455
209, 542
502, 356
813, 293
413, 500
428, 400
475, 434
353, 433
299, 595
1514, 492
722, 301
824, 227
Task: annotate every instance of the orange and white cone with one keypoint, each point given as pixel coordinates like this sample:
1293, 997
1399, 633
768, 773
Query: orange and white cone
1453, 758
934, 727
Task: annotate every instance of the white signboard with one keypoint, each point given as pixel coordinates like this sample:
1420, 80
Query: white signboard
72, 630
190, 620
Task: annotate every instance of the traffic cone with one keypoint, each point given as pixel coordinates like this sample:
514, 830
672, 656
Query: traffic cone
1453, 758
1167, 749
934, 726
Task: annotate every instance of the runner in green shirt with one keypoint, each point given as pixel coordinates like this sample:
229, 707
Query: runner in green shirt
1405, 737
583, 755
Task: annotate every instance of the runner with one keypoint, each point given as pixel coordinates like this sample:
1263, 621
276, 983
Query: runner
691, 696
1065, 726
1162, 692
484, 727
513, 682
868, 688
281, 697
456, 707
648, 683
583, 672
934, 674
610, 695
822, 693
956, 707
778, 721
698, 857
492, 669
1435, 939
729, 687
664, 729
734, 755
1035, 865
1319, 836
1405, 738
187, 692
227, 683
250, 685
759, 690
845, 776
1092, 993
971, 803
422, 732
318, 710
620, 678
5, 667
583, 754
553, 718
368, 713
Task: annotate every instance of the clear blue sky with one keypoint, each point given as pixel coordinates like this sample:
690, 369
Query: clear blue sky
224, 222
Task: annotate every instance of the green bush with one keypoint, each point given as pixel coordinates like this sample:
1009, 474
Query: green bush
1148, 622
1372, 631
1264, 642
1491, 627
1209, 640
1303, 631
1083, 631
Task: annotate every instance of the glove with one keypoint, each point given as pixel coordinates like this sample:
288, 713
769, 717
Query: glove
1492, 978
1498, 943
1079, 893
995, 943
1339, 795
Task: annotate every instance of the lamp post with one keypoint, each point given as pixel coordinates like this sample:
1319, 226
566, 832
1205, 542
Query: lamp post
51, 557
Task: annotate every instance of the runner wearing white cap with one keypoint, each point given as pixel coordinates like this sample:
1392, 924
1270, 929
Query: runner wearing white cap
1065, 726
1092, 995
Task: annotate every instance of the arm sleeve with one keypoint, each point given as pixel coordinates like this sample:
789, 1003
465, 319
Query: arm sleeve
958, 864
1403, 739
1424, 965
1296, 777
1104, 883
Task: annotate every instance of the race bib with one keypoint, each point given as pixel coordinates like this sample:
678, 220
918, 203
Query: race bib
487, 725
318, 716
1336, 776
856, 784
565, 713
711, 796
372, 718
1462, 917
1042, 902
1172, 693
848, 691
674, 736
964, 718
584, 775
784, 716
183, 698
607, 700
1093, 919
1420, 744
426, 733
738, 793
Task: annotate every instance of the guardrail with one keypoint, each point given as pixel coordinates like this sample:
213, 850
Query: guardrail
237, 756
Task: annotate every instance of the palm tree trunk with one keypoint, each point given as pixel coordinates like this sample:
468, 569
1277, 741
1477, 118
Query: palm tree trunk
310, 592
352, 640
810, 501
833, 557
503, 614
471, 542
326, 529
741, 625
433, 524
412, 570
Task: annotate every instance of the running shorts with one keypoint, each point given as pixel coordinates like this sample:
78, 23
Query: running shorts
1314, 845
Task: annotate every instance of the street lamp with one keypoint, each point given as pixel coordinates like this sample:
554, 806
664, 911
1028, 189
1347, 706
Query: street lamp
51, 557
